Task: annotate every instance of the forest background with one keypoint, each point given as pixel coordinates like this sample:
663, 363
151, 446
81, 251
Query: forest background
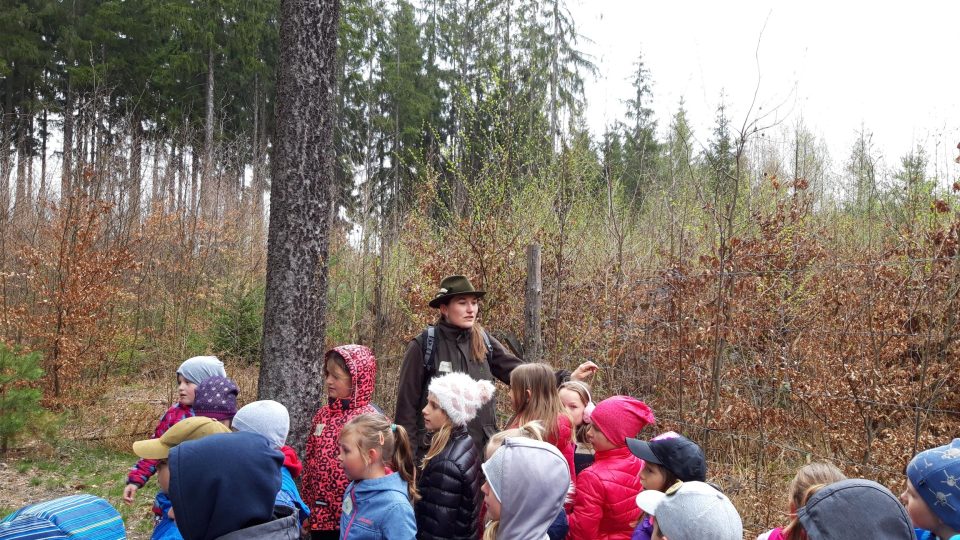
774, 303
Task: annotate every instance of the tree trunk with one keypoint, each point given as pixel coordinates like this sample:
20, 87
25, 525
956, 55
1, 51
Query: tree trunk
182, 171
155, 182
80, 144
298, 241
165, 193
19, 204
42, 192
255, 207
555, 77
195, 172
31, 150
532, 305
65, 176
136, 162
170, 183
205, 195
5, 159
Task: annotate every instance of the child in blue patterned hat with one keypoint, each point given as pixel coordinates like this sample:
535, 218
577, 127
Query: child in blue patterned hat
932, 497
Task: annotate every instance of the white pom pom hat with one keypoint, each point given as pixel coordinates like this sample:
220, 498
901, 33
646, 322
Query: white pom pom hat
460, 396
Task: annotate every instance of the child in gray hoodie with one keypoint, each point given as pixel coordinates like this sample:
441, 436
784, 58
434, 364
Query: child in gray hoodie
527, 482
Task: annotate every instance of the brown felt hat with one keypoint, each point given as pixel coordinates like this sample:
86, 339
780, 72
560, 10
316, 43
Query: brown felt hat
454, 286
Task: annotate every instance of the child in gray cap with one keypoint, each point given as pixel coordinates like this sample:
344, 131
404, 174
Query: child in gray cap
691, 511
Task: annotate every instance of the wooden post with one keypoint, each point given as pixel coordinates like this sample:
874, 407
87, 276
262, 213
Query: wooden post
533, 301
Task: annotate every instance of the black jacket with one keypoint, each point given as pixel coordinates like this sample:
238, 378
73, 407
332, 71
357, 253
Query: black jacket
451, 352
449, 486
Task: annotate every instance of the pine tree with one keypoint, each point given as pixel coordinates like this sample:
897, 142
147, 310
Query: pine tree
678, 150
19, 403
640, 144
720, 159
861, 169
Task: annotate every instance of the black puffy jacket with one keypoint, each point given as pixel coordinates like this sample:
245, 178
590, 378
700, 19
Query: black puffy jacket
449, 486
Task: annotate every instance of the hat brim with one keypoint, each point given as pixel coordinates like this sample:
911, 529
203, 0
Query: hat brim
648, 500
642, 450
151, 449
436, 302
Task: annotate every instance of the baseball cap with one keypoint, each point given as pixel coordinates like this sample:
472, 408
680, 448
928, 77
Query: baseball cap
677, 454
866, 510
692, 511
188, 429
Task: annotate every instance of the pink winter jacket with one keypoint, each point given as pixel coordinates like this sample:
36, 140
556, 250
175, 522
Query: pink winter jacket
605, 503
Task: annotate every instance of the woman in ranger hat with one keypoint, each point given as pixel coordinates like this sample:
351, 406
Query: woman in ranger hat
457, 344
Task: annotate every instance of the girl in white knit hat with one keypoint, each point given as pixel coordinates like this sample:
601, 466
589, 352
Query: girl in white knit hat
450, 482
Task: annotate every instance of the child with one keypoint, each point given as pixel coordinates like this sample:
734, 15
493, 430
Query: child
223, 487
691, 511
377, 503
526, 487
350, 374
531, 430
667, 458
932, 496
449, 485
809, 479
533, 391
216, 398
605, 504
854, 509
575, 397
189, 429
271, 419
190, 374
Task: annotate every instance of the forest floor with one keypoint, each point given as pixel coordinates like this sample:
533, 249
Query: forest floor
69, 468
91, 452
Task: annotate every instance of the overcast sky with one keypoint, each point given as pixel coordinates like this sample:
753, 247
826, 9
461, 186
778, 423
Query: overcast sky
894, 67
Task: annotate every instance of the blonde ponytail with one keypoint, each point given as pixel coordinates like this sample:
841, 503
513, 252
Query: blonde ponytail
375, 431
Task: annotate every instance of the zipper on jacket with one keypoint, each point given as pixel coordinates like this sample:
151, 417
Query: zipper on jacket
353, 501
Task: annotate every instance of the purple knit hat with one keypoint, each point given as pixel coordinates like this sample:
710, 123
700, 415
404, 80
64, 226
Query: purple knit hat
216, 398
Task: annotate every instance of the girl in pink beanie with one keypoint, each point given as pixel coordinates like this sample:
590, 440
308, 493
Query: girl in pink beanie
605, 504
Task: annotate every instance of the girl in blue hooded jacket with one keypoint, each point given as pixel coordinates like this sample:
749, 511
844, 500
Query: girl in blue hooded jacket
378, 503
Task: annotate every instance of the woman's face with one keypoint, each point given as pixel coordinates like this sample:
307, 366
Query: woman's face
434, 417
337, 381
461, 311
571, 400
491, 501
